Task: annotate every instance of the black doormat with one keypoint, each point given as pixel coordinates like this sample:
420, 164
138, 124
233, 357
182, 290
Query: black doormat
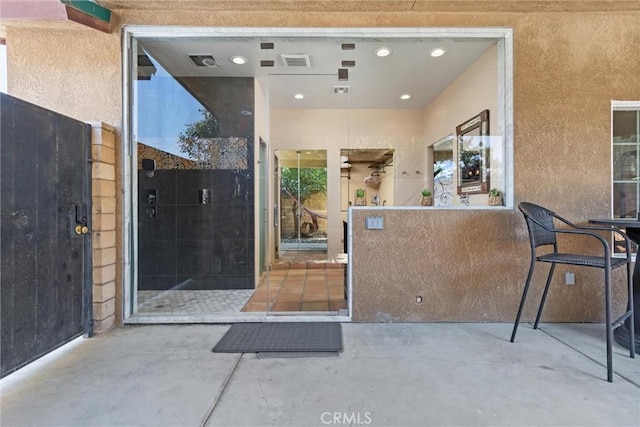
301, 337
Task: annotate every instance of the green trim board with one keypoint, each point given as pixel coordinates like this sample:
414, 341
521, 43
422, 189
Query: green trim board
90, 8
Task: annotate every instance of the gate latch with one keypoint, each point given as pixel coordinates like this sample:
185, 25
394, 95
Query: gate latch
81, 219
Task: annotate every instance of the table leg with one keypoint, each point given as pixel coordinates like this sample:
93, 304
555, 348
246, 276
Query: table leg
621, 333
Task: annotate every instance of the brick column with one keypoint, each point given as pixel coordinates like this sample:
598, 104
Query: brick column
103, 184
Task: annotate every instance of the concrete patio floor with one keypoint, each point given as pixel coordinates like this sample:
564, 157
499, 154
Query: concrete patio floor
402, 374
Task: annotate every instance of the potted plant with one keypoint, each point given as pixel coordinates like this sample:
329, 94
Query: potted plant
427, 198
360, 197
495, 197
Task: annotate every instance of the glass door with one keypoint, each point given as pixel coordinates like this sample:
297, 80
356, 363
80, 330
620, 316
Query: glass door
193, 189
305, 277
303, 204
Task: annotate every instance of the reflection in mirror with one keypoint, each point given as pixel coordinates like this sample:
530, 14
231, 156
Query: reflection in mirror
473, 155
443, 169
367, 178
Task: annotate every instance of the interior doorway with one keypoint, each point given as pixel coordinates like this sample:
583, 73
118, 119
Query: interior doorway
303, 205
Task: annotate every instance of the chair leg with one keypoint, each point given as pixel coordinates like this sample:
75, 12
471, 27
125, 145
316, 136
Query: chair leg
544, 296
524, 297
607, 301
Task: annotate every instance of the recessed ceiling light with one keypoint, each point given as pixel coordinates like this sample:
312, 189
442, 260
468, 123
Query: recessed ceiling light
239, 60
405, 96
383, 51
439, 51
299, 96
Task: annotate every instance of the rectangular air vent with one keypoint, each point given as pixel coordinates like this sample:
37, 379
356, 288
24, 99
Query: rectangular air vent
295, 60
340, 90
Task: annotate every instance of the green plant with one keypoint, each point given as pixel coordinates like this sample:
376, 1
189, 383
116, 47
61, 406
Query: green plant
359, 193
426, 192
494, 192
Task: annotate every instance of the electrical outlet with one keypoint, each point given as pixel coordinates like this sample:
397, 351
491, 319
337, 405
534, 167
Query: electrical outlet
569, 278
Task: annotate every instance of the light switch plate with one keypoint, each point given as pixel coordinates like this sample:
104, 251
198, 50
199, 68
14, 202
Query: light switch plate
374, 223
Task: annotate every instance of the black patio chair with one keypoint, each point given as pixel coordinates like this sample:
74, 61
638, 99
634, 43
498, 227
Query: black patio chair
543, 232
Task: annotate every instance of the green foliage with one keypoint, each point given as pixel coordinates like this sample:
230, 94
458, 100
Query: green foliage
426, 192
495, 192
196, 141
359, 193
312, 180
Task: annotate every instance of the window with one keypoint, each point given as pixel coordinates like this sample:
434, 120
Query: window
626, 146
625, 137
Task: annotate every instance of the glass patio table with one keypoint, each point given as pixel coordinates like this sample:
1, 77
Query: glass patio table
632, 228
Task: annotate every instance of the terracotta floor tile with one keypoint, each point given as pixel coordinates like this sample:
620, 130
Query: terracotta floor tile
297, 272
315, 306
289, 297
316, 282
337, 305
316, 273
263, 298
286, 306
314, 297
255, 306
293, 284
335, 272
316, 288
293, 281
312, 285
291, 290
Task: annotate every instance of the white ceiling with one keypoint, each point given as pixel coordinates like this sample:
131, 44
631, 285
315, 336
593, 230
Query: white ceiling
374, 82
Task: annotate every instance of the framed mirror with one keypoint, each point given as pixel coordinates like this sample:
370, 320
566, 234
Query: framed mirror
473, 155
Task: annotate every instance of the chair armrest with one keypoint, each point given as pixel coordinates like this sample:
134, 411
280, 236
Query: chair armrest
612, 229
589, 231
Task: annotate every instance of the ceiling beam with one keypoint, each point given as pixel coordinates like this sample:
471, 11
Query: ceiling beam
84, 12
88, 13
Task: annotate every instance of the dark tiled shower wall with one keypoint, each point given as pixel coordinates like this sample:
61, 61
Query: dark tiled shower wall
191, 245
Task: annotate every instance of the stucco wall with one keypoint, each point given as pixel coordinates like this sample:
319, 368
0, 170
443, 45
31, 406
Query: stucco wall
568, 67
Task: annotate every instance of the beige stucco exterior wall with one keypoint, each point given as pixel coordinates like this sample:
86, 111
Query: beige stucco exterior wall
568, 67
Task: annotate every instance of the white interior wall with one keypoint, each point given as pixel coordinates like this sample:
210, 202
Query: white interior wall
261, 123
334, 130
474, 91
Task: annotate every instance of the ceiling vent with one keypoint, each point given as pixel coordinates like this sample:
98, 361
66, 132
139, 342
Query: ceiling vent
290, 60
340, 90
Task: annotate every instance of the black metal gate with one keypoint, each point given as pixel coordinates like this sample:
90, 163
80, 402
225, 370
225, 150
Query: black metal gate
45, 192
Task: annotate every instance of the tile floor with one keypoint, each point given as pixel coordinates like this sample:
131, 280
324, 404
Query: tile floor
188, 302
316, 287
300, 281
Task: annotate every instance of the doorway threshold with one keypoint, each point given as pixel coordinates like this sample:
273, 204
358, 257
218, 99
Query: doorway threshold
147, 319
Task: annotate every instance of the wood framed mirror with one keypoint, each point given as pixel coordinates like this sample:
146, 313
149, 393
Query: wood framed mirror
473, 155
